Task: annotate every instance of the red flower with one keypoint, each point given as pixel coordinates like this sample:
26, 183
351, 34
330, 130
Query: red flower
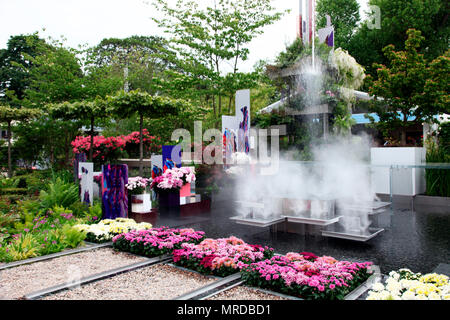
309, 256
207, 261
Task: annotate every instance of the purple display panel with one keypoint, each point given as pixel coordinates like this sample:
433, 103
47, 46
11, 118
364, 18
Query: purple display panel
169, 160
114, 193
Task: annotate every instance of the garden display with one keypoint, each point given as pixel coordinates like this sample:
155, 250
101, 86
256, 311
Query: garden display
106, 229
173, 179
407, 285
220, 257
307, 276
156, 241
169, 184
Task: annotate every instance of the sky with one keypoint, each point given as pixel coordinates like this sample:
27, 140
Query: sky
87, 22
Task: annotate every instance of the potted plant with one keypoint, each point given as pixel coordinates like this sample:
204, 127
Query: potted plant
168, 186
140, 200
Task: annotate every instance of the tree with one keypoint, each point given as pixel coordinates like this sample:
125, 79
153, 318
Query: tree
8, 115
14, 78
144, 58
125, 104
206, 37
344, 17
431, 17
80, 110
410, 87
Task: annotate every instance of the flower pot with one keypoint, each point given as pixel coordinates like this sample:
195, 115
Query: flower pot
185, 190
169, 199
141, 203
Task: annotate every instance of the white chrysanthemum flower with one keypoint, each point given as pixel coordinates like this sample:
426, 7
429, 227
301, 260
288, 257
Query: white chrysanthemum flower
378, 287
408, 295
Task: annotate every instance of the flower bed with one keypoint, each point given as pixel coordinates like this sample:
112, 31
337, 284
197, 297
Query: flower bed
220, 257
157, 241
106, 229
307, 276
40, 235
406, 285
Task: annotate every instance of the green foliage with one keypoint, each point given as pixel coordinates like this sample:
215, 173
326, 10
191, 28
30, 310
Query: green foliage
144, 57
13, 191
79, 209
438, 181
14, 79
72, 237
444, 136
45, 141
55, 76
397, 16
8, 183
94, 213
344, 17
206, 38
59, 193
24, 247
291, 55
124, 104
410, 86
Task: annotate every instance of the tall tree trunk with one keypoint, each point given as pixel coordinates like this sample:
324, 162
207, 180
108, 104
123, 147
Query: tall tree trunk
141, 144
403, 137
9, 150
229, 104
214, 106
403, 130
91, 149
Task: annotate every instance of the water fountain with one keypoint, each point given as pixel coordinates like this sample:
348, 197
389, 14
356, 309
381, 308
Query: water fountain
334, 198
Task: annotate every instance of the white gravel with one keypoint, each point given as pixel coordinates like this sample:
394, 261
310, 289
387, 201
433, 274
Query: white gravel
159, 282
19, 281
244, 293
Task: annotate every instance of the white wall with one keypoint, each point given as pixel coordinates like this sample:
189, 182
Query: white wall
406, 181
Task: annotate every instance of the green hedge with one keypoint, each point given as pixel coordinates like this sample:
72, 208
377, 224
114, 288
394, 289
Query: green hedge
8, 191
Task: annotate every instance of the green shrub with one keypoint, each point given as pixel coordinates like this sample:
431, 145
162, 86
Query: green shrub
23, 247
13, 191
51, 242
95, 213
79, 209
59, 193
7, 183
72, 237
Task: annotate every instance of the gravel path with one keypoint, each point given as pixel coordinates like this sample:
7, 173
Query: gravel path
19, 281
244, 293
159, 282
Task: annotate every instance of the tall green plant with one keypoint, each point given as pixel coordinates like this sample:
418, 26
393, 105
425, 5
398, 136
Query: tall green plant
59, 193
437, 180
